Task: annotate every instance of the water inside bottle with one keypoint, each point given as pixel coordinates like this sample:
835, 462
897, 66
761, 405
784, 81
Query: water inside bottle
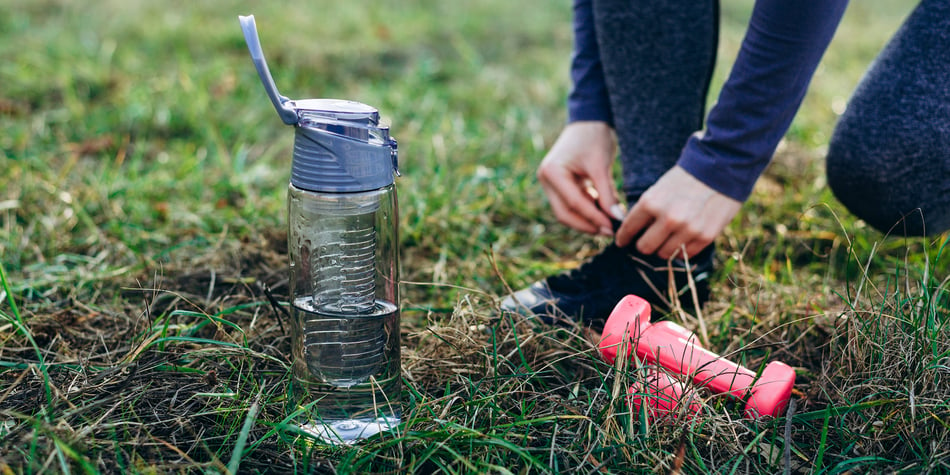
344, 350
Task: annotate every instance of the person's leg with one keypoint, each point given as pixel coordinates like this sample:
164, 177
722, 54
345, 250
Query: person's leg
658, 57
889, 157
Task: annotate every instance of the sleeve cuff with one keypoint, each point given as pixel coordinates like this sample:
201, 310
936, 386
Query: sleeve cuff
721, 170
578, 111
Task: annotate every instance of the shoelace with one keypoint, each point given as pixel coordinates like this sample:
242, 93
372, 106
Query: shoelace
614, 262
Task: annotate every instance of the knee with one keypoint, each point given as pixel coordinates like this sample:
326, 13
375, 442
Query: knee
882, 183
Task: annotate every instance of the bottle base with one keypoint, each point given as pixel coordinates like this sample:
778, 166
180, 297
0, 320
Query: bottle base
347, 431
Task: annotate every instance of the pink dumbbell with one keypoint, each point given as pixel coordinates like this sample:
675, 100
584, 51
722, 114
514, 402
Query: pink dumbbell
675, 349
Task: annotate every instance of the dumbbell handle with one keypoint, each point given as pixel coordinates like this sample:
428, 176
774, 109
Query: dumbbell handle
675, 348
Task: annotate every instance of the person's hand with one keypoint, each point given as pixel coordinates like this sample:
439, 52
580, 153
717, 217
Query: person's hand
678, 210
576, 177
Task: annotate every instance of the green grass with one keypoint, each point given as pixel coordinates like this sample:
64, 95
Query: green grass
142, 236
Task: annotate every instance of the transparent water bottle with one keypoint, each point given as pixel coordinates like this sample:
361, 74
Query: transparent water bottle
343, 246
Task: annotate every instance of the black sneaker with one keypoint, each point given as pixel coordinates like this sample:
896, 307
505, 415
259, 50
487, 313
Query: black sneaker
589, 293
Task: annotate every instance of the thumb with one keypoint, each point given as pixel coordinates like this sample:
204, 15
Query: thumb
607, 195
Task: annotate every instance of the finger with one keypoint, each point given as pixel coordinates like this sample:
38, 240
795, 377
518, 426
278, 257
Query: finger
567, 216
674, 246
607, 200
576, 201
653, 238
633, 224
687, 241
615, 212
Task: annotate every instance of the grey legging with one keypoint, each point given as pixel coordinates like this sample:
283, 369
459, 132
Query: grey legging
658, 59
889, 157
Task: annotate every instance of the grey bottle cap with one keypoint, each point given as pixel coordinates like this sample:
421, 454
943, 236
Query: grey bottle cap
339, 146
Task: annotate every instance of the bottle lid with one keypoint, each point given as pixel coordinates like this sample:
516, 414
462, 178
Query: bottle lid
340, 147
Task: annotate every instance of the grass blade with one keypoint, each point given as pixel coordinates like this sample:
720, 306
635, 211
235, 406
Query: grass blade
239, 445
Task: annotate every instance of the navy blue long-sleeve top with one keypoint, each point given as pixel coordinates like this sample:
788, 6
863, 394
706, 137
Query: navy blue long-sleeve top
779, 54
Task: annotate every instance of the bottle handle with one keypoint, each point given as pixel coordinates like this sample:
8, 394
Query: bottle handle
286, 112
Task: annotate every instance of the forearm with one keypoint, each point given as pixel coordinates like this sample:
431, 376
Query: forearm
782, 48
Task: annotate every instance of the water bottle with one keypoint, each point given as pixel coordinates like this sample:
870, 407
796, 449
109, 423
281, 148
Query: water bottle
343, 246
